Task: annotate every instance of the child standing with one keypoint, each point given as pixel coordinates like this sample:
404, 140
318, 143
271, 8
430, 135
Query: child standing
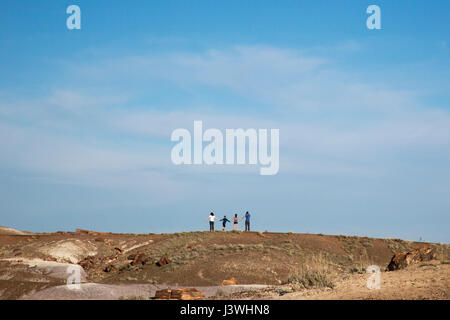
224, 222
235, 222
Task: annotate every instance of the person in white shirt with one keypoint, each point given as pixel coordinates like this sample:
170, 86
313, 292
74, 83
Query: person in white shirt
212, 218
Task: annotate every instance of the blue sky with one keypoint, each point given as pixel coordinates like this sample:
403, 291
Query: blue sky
364, 115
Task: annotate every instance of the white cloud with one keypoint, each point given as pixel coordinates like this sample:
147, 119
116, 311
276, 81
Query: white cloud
330, 121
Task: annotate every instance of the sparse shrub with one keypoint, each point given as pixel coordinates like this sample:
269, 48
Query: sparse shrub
357, 270
426, 265
283, 291
308, 279
366, 242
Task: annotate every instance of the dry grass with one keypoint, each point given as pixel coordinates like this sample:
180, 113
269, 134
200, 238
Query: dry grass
316, 271
307, 279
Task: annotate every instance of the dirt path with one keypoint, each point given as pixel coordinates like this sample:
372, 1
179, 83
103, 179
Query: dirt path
95, 291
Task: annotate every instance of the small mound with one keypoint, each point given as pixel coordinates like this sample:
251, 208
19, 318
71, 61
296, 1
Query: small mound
12, 232
70, 250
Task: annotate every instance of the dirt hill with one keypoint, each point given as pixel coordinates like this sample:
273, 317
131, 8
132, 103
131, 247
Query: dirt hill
29, 263
10, 231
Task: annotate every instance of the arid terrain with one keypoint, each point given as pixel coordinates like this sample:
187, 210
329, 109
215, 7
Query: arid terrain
266, 265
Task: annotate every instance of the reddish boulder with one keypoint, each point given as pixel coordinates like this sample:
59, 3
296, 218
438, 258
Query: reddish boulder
179, 294
403, 259
139, 259
163, 261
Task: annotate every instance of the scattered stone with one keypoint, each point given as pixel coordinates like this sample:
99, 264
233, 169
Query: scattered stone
163, 261
187, 294
163, 294
110, 268
229, 282
93, 233
139, 259
403, 259
179, 294
88, 263
50, 259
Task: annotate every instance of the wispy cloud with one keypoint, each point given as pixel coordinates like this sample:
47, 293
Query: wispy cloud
330, 120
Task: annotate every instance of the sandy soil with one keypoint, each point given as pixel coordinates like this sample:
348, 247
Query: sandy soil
429, 280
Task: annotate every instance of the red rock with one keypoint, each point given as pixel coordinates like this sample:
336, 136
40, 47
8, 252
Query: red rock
140, 259
50, 259
163, 261
88, 263
403, 259
229, 282
179, 294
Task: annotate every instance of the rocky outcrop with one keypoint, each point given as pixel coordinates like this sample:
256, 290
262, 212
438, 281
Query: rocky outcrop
403, 259
229, 282
138, 259
88, 263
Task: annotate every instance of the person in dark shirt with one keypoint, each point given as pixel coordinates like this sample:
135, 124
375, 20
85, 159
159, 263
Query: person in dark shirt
224, 222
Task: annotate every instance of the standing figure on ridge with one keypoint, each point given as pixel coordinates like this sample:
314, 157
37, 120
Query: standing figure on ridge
211, 219
247, 221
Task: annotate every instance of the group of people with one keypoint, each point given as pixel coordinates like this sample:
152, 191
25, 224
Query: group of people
235, 220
